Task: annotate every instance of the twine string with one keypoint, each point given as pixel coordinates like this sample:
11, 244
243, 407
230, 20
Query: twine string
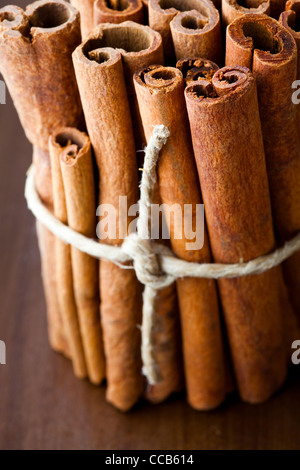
155, 265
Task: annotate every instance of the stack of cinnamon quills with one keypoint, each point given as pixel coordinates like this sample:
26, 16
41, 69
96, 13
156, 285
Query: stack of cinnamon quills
90, 79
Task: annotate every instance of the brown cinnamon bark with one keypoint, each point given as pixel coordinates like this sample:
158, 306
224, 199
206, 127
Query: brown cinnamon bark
100, 78
63, 266
86, 10
161, 101
75, 158
188, 28
35, 60
107, 11
42, 85
232, 9
289, 19
46, 240
140, 46
196, 69
168, 348
271, 52
231, 165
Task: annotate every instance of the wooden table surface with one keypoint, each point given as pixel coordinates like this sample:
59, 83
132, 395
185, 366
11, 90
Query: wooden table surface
42, 405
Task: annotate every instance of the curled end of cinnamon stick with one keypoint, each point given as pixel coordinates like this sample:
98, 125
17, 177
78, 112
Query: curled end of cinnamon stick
232, 9
158, 77
290, 17
227, 83
128, 37
13, 21
194, 22
261, 37
72, 143
194, 69
51, 15
106, 11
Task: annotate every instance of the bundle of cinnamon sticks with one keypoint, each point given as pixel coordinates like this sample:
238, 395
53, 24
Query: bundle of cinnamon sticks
90, 80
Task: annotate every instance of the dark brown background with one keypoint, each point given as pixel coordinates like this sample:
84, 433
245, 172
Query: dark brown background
42, 405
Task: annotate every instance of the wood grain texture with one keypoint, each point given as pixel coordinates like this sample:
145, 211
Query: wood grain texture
43, 406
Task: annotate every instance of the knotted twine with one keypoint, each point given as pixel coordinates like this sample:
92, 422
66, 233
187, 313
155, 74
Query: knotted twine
155, 265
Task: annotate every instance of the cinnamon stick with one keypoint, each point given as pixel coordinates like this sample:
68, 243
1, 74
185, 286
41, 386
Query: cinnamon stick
56, 330
232, 9
188, 28
63, 265
160, 92
140, 46
101, 82
42, 85
86, 10
261, 43
106, 11
74, 152
168, 348
231, 166
46, 241
196, 69
35, 60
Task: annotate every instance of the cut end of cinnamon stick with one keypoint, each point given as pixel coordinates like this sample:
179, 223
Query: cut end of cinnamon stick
260, 36
225, 82
109, 11
194, 69
51, 15
70, 140
130, 37
232, 9
290, 18
157, 76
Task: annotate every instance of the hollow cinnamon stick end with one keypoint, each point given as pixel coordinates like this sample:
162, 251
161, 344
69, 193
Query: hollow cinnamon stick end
12, 18
196, 68
127, 10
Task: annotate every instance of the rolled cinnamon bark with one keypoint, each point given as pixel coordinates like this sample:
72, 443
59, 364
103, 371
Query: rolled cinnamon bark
42, 85
139, 46
74, 151
231, 165
260, 42
188, 28
160, 92
86, 10
35, 60
46, 240
196, 69
107, 11
289, 19
232, 9
63, 266
102, 87
168, 348
56, 330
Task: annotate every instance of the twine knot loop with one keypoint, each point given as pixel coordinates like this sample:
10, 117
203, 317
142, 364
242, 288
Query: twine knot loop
146, 262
